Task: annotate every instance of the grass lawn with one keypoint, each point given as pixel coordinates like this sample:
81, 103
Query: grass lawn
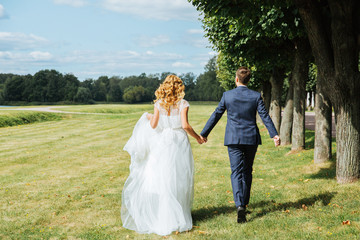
63, 179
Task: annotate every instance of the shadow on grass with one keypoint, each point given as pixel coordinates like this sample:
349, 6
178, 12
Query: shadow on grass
203, 214
328, 172
272, 206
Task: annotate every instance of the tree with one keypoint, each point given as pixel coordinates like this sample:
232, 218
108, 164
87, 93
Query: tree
258, 34
71, 87
323, 126
55, 88
207, 85
134, 94
14, 88
115, 93
299, 79
333, 30
189, 82
88, 83
46, 85
287, 119
99, 90
150, 84
39, 86
83, 95
106, 81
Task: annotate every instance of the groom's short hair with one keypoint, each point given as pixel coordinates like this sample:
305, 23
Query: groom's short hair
243, 74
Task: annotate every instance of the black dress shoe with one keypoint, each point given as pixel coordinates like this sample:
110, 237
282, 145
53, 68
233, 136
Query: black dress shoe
241, 212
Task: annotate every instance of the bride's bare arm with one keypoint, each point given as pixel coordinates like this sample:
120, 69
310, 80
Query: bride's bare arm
187, 127
154, 118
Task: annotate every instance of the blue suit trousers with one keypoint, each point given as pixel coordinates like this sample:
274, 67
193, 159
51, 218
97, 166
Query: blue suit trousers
241, 163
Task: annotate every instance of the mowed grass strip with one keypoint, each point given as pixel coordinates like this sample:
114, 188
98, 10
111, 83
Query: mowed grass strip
15, 118
63, 180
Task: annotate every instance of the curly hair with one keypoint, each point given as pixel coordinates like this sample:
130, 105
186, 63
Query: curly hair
171, 91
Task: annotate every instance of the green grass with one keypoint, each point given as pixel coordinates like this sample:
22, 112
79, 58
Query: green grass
63, 180
109, 108
15, 118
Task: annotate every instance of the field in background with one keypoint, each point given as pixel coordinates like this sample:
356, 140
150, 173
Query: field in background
63, 179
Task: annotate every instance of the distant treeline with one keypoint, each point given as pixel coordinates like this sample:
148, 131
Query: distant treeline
53, 86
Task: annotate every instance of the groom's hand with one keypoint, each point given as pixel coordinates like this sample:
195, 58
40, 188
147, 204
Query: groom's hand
200, 140
204, 139
276, 140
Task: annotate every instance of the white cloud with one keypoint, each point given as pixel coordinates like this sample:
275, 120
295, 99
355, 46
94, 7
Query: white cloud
155, 9
196, 31
23, 57
146, 41
117, 63
73, 3
119, 58
92, 64
6, 55
16, 41
3, 12
41, 56
182, 64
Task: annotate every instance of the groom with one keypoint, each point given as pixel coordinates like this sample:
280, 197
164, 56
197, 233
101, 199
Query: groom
242, 135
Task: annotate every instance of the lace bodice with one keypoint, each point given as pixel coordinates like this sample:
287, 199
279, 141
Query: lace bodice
172, 120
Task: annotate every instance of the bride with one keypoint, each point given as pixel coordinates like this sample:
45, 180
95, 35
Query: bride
158, 194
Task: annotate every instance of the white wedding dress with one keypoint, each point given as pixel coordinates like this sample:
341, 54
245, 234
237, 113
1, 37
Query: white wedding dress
157, 196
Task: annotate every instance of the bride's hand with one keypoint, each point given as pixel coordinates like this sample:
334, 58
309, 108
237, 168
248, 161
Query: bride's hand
149, 116
200, 140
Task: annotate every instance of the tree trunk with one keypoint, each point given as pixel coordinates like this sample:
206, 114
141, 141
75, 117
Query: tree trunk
287, 118
300, 76
323, 125
337, 58
348, 148
276, 81
266, 92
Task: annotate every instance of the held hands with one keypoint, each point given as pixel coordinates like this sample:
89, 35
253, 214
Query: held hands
277, 141
201, 139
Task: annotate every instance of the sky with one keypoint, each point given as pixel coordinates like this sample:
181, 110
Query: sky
91, 38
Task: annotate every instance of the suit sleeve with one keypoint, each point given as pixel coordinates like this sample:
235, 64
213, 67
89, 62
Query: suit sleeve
214, 118
266, 118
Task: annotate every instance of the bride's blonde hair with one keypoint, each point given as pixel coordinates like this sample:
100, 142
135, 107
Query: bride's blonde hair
171, 91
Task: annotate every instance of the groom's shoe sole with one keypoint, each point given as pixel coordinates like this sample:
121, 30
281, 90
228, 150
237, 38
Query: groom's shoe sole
241, 218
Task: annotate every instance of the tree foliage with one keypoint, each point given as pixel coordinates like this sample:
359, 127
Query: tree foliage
83, 95
257, 34
134, 94
52, 86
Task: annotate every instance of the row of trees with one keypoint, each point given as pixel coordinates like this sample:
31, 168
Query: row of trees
52, 86
279, 40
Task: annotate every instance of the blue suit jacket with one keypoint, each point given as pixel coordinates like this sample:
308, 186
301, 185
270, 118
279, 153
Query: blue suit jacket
241, 104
